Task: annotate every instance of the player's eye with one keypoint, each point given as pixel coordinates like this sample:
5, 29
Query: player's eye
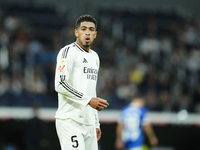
92, 29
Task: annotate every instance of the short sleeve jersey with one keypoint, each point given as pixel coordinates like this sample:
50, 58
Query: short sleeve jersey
133, 118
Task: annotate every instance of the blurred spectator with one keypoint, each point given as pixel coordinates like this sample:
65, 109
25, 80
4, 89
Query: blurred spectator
184, 103
150, 81
164, 81
193, 61
189, 33
166, 101
151, 101
34, 48
36, 82
16, 84
12, 22
138, 71
166, 44
4, 59
4, 40
150, 47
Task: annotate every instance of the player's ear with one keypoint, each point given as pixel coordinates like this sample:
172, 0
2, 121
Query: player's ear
95, 35
76, 32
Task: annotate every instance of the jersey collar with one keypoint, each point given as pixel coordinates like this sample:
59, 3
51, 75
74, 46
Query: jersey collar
81, 48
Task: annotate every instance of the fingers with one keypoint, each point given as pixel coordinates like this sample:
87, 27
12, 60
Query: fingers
100, 108
102, 104
98, 103
98, 131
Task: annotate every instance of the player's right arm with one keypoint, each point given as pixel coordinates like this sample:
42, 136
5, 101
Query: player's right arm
63, 71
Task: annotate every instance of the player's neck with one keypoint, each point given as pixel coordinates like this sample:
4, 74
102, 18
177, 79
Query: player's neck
83, 47
136, 104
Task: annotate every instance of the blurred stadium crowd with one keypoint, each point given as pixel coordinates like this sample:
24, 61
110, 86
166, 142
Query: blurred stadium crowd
156, 54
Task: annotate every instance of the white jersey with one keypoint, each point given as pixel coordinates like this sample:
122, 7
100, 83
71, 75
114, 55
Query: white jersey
75, 81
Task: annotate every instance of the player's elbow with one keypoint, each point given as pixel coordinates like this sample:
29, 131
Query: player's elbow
57, 87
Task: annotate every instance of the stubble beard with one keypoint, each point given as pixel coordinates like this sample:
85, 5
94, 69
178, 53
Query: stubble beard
87, 45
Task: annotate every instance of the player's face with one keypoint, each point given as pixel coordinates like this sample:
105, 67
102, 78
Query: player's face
86, 34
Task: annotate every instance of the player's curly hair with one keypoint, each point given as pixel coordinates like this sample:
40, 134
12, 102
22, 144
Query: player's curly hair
87, 18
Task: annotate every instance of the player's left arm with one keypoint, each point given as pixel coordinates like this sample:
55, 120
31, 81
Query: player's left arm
148, 129
118, 142
150, 134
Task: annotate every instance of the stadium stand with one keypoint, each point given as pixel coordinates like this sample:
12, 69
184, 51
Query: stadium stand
153, 53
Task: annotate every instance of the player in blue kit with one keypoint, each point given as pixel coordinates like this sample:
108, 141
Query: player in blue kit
132, 123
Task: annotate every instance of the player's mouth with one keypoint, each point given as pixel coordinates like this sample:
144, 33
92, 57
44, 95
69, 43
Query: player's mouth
87, 39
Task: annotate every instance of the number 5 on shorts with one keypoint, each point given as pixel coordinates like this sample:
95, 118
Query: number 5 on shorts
74, 140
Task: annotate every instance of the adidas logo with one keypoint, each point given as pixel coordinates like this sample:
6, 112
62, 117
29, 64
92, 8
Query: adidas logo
85, 61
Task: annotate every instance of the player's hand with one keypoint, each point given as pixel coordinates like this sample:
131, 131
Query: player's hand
98, 103
98, 130
119, 145
153, 141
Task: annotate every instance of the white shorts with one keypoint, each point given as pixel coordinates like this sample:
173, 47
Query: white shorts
75, 136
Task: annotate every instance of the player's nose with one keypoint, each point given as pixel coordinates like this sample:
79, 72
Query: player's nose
87, 32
